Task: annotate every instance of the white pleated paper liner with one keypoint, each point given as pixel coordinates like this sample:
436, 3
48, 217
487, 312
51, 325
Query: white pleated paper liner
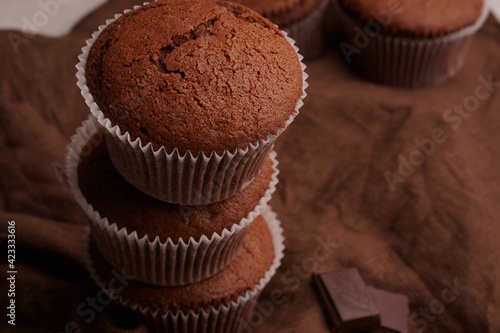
219, 318
407, 62
170, 176
308, 33
164, 262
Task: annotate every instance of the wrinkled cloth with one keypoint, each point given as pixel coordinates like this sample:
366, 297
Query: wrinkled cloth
349, 195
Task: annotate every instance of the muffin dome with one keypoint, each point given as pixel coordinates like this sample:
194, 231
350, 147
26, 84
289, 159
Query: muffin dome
425, 18
194, 75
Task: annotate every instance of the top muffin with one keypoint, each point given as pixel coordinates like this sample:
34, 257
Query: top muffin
194, 75
412, 18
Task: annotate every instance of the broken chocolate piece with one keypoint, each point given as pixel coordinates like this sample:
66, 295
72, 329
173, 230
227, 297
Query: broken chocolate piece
394, 310
347, 302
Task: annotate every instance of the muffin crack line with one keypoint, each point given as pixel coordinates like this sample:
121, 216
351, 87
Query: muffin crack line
201, 30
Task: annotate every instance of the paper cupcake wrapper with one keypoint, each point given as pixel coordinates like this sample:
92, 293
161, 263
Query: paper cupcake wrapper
219, 318
185, 179
308, 33
160, 262
409, 62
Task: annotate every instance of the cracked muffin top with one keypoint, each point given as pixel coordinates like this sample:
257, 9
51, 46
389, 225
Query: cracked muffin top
194, 75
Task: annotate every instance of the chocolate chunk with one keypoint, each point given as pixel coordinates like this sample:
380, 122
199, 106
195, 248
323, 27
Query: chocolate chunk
346, 300
394, 310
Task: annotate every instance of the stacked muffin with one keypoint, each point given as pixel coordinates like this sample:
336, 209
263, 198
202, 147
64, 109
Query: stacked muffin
175, 165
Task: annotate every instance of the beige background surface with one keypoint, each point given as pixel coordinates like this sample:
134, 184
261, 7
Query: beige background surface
62, 15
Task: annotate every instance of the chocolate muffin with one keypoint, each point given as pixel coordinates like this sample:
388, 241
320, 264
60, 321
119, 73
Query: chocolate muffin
301, 19
192, 94
250, 264
194, 75
157, 242
122, 204
221, 303
409, 44
416, 18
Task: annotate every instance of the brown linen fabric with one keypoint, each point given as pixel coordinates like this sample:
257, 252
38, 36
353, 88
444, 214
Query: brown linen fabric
438, 227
